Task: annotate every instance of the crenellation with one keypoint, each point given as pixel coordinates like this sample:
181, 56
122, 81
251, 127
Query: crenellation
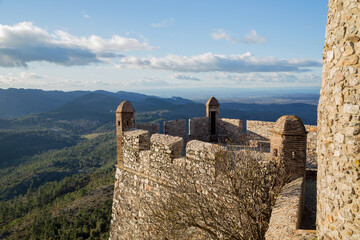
149, 126
203, 151
259, 130
134, 142
199, 129
230, 130
138, 138
176, 128
171, 146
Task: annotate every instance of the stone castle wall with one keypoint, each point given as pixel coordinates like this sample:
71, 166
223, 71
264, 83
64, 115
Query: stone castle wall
176, 128
286, 214
230, 130
199, 129
259, 130
144, 170
146, 159
338, 184
311, 144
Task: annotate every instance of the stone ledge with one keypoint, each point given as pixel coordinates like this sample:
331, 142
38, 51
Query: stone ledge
287, 212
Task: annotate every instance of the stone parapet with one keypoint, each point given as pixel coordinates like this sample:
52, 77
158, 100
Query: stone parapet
259, 130
203, 151
176, 128
286, 214
311, 144
230, 130
169, 146
199, 129
148, 161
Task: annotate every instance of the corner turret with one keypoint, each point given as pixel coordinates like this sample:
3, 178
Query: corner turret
125, 120
288, 145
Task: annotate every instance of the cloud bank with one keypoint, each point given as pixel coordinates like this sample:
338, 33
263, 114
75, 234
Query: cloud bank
150, 82
272, 77
209, 62
251, 38
23, 43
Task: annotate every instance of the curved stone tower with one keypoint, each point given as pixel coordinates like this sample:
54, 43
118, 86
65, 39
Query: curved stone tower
338, 184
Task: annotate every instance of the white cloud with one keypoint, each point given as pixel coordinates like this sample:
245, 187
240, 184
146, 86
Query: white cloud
252, 37
85, 15
222, 34
163, 23
23, 43
273, 77
147, 82
30, 75
10, 78
209, 62
184, 77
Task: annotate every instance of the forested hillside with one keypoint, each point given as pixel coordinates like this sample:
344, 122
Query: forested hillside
60, 194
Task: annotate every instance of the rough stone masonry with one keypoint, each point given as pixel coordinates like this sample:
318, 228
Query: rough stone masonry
338, 183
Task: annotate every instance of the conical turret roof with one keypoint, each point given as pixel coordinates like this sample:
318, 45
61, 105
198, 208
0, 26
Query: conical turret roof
212, 102
125, 106
289, 125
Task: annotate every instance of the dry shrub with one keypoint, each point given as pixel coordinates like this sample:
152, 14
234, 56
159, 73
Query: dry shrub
232, 202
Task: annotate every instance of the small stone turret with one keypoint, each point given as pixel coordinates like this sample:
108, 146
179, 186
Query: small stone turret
288, 145
125, 120
212, 112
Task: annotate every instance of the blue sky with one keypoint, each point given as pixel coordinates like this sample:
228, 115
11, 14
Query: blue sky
145, 45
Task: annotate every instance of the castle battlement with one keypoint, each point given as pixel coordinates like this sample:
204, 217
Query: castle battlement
199, 129
153, 155
147, 160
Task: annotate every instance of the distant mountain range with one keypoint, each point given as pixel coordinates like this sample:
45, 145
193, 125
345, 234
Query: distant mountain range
21, 102
100, 106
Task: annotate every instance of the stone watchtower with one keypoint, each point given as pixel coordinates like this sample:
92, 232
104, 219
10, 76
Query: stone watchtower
338, 149
288, 145
212, 113
125, 120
